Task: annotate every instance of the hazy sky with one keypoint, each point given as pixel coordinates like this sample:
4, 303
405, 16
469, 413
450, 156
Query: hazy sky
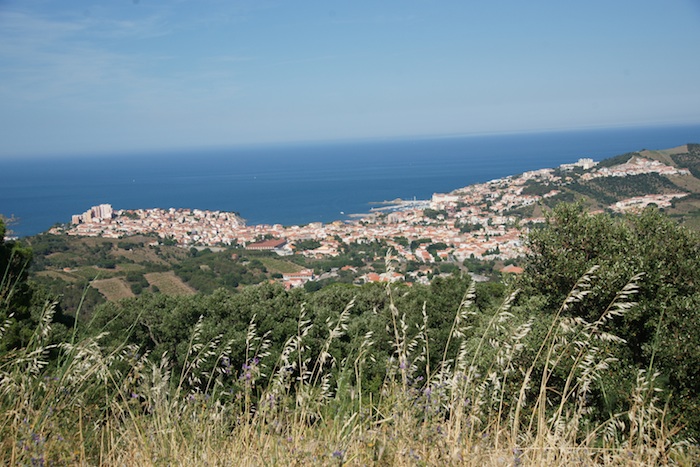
81, 76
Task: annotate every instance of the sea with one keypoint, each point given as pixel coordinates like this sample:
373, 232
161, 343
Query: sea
303, 182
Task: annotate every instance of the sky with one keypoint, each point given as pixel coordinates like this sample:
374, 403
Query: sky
109, 76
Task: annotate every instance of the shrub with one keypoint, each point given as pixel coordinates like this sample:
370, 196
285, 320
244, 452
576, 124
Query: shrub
658, 330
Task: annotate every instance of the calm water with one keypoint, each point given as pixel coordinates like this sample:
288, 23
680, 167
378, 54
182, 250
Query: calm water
301, 183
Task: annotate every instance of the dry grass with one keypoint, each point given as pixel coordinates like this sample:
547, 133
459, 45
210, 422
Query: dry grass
140, 255
113, 289
664, 155
129, 267
168, 283
484, 406
281, 266
61, 275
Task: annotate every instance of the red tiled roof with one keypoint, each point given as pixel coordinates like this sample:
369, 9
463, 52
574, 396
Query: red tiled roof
267, 244
513, 269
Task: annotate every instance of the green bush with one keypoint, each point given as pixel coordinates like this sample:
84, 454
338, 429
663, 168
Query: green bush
657, 328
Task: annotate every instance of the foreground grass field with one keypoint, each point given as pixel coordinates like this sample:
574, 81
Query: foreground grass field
80, 403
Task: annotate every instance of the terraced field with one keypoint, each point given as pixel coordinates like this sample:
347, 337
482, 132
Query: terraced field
112, 289
168, 283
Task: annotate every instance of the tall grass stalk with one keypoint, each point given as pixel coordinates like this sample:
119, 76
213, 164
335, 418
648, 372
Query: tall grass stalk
478, 406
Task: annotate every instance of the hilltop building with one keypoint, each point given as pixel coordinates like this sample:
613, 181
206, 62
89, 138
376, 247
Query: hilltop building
585, 163
95, 213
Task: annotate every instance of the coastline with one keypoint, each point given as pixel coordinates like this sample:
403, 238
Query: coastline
301, 184
484, 220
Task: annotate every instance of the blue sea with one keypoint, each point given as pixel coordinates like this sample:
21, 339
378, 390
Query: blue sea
299, 183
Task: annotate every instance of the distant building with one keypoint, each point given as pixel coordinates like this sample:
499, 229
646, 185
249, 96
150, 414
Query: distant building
95, 213
585, 163
297, 279
304, 275
440, 200
267, 245
511, 269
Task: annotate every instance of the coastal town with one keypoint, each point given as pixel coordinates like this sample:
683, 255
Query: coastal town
480, 221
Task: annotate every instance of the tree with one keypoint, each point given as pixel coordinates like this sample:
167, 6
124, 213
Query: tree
661, 330
15, 293
22, 303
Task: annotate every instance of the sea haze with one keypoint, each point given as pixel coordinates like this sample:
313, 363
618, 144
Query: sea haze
299, 183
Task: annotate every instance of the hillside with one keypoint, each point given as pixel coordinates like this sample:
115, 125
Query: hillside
552, 368
587, 356
485, 217
111, 269
628, 181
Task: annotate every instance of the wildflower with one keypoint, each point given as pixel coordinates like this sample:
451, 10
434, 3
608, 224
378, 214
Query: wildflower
226, 364
517, 457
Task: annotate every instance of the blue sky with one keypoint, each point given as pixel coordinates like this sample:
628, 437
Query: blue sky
90, 77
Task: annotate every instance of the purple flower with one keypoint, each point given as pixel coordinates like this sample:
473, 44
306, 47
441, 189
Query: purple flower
517, 460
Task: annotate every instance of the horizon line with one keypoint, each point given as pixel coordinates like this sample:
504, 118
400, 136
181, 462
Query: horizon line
346, 140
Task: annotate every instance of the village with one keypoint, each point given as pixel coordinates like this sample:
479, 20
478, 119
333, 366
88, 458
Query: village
471, 222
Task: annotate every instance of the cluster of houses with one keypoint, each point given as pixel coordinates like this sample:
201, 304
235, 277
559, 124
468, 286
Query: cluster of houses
470, 222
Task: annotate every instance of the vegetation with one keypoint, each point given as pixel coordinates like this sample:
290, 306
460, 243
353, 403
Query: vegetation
617, 160
608, 190
536, 188
434, 214
666, 261
689, 160
21, 301
562, 366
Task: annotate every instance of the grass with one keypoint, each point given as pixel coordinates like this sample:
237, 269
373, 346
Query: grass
90, 272
113, 288
281, 266
130, 267
168, 283
492, 403
61, 275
